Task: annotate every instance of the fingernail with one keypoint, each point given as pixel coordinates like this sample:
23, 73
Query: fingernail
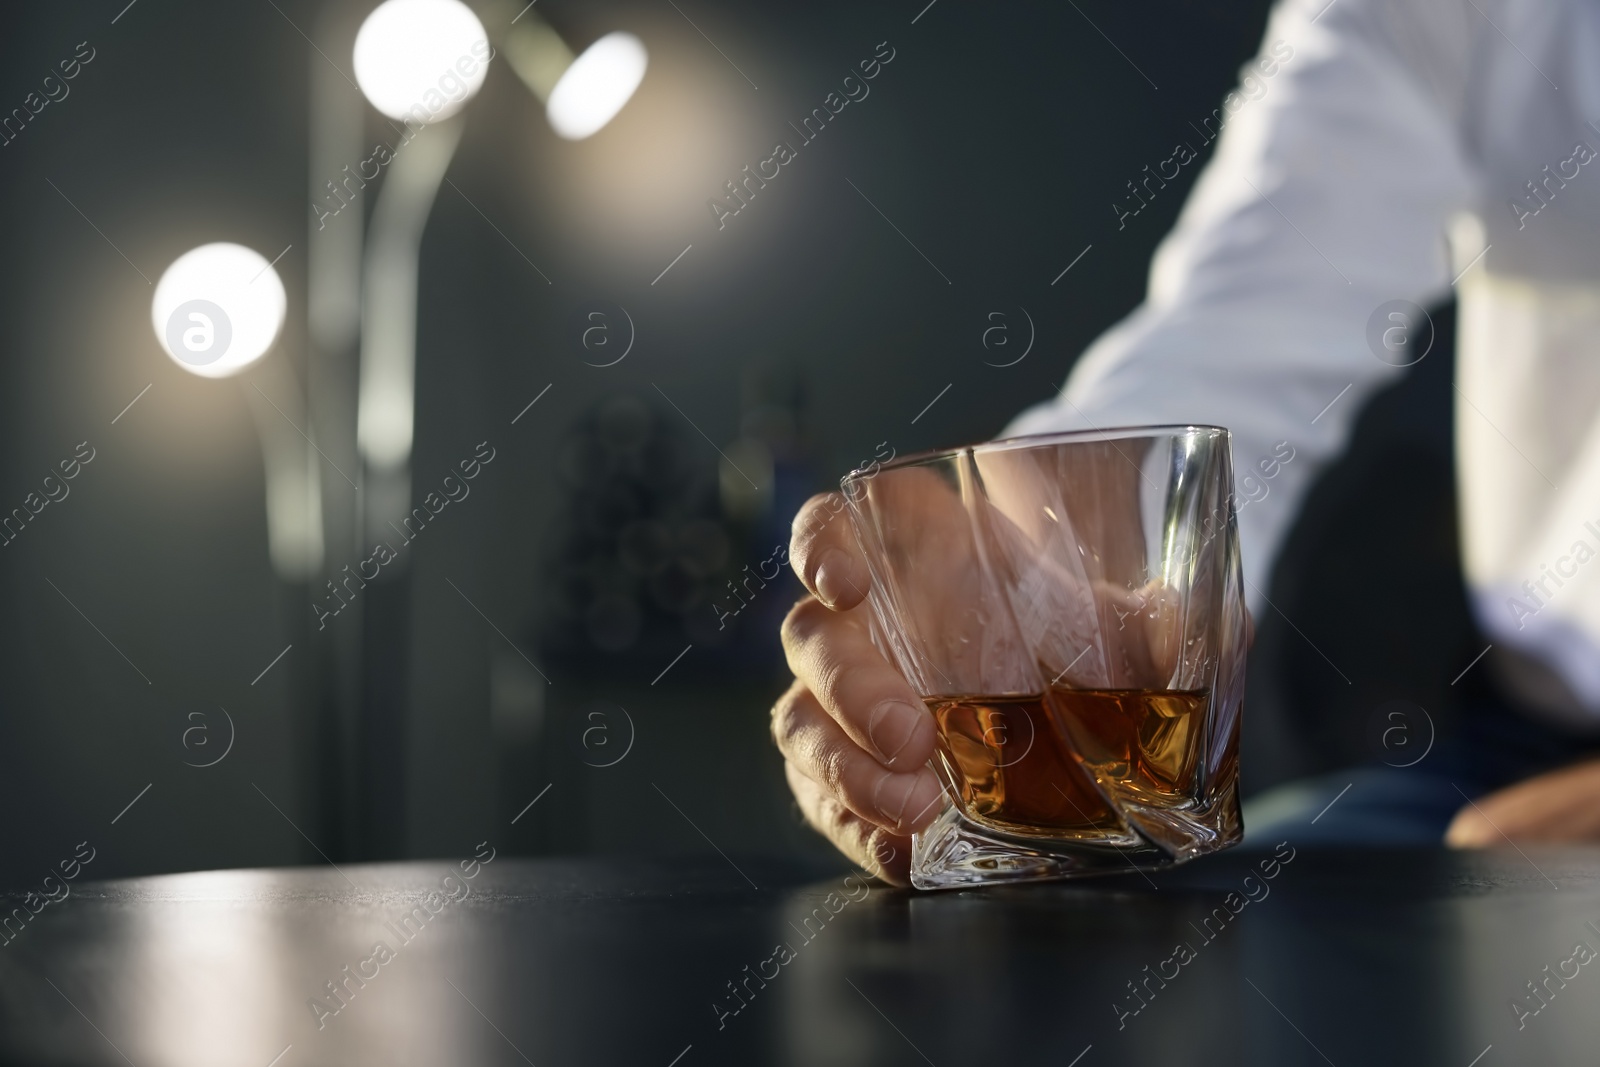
834, 575
890, 729
907, 799
892, 794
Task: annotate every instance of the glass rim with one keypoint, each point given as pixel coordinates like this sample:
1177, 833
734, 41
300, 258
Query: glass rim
1032, 440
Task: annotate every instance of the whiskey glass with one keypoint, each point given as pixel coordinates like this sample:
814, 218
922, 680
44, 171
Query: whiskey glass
1070, 609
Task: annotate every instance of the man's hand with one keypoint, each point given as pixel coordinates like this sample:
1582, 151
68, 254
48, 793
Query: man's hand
855, 738
1561, 805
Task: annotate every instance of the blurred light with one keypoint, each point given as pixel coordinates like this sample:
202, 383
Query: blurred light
421, 59
746, 466
217, 309
597, 85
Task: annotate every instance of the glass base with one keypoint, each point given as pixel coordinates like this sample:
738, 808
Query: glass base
954, 851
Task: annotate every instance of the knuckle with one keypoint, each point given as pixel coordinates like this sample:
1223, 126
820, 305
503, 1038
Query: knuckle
801, 623
838, 823
817, 503
799, 784
785, 718
812, 805
812, 519
832, 764
831, 683
880, 848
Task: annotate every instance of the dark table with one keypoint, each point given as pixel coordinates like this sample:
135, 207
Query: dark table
1342, 957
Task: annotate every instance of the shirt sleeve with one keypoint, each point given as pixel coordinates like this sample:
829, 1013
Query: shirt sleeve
1338, 169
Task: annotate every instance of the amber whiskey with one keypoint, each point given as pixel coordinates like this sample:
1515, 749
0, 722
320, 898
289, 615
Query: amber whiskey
1009, 766
1141, 743
1027, 764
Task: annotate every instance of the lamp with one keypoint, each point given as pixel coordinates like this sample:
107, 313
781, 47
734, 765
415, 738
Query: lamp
420, 62
596, 86
408, 52
417, 61
217, 310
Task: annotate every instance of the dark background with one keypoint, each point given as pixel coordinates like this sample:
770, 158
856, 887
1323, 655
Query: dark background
808, 330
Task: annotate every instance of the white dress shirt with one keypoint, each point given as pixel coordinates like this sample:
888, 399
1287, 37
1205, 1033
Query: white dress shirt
1401, 144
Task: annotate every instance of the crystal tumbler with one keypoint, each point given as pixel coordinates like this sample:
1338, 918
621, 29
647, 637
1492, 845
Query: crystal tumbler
1069, 608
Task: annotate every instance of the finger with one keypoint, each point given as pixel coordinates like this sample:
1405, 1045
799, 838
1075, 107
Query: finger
1563, 805
1469, 829
832, 655
876, 850
824, 552
928, 516
814, 745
